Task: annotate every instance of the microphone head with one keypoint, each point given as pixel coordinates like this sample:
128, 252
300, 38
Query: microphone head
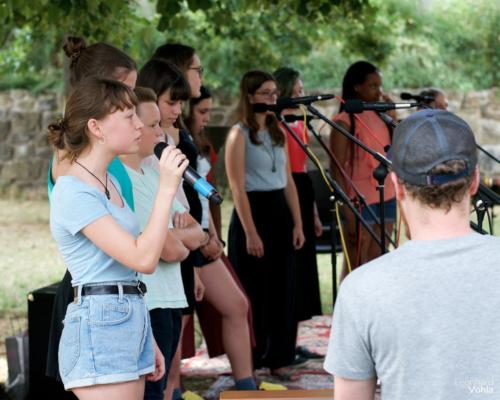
159, 147
406, 96
353, 106
416, 97
260, 108
327, 96
216, 198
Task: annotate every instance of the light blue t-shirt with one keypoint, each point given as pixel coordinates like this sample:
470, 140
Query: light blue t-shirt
165, 287
115, 168
75, 204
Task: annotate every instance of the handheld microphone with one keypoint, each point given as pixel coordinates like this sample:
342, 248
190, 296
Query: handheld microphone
357, 106
294, 117
416, 97
290, 102
193, 179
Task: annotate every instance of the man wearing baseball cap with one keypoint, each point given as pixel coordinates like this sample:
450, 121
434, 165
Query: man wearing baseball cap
424, 319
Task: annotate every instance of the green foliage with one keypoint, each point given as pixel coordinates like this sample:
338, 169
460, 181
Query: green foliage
453, 44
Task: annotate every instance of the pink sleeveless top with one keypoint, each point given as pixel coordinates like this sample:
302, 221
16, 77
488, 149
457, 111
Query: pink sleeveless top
361, 170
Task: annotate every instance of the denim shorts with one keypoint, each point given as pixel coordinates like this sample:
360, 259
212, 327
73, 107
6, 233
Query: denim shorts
105, 339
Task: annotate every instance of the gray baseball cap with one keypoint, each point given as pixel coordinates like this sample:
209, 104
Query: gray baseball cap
428, 138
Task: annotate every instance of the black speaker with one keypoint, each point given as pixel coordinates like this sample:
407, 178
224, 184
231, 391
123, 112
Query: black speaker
40, 303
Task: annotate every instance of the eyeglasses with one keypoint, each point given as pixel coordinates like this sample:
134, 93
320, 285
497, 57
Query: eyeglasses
200, 69
269, 93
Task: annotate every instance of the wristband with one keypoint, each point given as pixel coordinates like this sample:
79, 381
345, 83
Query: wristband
206, 240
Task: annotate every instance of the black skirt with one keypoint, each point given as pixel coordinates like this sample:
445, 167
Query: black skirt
308, 293
268, 281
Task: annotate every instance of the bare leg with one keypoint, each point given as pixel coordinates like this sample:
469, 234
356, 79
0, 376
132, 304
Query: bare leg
224, 294
351, 239
174, 375
133, 390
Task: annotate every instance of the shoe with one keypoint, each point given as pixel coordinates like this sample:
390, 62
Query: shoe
304, 353
299, 359
188, 395
271, 386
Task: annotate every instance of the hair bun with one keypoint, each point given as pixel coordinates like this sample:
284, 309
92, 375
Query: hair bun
73, 48
56, 133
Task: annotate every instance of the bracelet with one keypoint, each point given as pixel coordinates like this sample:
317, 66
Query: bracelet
206, 241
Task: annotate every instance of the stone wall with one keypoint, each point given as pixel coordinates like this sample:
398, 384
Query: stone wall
24, 149
25, 152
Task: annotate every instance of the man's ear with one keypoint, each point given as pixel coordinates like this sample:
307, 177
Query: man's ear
476, 179
398, 187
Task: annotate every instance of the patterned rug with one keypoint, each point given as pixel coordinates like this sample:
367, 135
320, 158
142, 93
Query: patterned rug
312, 336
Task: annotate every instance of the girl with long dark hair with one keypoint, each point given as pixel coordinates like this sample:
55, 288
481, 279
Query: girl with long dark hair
220, 289
266, 224
362, 81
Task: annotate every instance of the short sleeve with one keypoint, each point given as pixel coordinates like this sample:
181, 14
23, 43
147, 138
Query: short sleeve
73, 208
348, 353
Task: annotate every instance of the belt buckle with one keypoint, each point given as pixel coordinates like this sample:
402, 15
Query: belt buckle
141, 287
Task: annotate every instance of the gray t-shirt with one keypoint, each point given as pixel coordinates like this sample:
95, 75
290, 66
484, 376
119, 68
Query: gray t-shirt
265, 163
424, 319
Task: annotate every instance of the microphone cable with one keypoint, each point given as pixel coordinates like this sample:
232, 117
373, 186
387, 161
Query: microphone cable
327, 182
372, 134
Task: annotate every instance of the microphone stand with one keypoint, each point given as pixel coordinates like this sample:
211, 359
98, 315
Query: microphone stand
379, 173
477, 146
337, 194
358, 194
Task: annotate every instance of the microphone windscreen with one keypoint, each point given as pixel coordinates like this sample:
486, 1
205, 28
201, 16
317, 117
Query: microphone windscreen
260, 108
159, 147
406, 96
354, 106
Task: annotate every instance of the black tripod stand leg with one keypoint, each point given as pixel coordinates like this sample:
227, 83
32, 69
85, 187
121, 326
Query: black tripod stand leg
333, 237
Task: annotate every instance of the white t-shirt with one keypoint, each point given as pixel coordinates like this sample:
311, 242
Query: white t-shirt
165, 288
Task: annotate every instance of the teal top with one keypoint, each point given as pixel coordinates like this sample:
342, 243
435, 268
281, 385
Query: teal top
117, 169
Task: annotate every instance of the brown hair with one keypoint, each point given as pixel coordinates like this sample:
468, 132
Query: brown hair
249, 84
93, 98
200, 138
160, 76
178, 54
99, 59
445, 195
145, 95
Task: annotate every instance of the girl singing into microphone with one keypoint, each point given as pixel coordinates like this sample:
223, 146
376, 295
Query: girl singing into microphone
106, 347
